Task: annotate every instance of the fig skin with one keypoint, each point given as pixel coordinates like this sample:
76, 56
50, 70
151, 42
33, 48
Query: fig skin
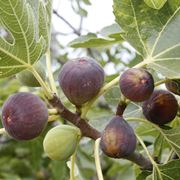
136, 84
27, 78
173, 85
161, 107
61, 142
118, 139
24, 116
81, 79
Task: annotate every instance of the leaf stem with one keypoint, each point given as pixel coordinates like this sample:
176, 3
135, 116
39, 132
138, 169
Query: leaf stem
2, 131
150, 157
97, 159
160, 82
50, 73
46, 88
52, 111
169, 156
53, 118
73, 158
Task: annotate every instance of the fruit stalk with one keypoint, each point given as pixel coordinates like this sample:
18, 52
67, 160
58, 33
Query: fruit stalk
140, 160
89, 131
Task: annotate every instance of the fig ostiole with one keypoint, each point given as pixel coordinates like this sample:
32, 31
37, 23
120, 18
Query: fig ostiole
24, 116
81, 79
136, 84
173, 85
118, 139
161, 107
28, 79
61, 142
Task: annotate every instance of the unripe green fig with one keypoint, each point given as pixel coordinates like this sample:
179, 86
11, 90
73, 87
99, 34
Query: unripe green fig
136, 84
118, 139
24, 116
28, 79
61, 142
173, 85
161, 107
81, 79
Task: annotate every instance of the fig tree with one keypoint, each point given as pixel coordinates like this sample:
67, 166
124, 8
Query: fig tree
118, 139
24, 116
173, 85
161, 107
81, 79
61, 142
136, 84
28, 79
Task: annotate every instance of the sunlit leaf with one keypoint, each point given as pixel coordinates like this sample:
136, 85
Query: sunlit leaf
18, 18
154, 34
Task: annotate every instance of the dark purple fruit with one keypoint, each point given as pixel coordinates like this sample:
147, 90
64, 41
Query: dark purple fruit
81, 79
118, 139
173, 86
136, 84
161, 107
24, 116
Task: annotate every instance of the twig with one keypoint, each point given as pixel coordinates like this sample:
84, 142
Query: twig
74, 118
63, 19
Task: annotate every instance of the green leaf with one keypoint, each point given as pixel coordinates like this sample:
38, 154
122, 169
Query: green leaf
143, 175
172, 136
18, 19
159, 145
154, 34
170, 170
112, 31
155, 4
133, 110
112, 96
91, 40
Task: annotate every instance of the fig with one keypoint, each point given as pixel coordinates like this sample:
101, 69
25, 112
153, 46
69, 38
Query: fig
118, 139
61, 142
136, 84
161, 107
81, 79
27, 78
173, 85
24, 116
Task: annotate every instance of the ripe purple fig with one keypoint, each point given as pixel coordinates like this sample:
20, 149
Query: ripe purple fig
24, 116
81, 79
118, 139
136, 84
173, 85
161, 107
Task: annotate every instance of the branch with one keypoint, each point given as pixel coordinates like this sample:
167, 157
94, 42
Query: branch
75, 119
88, 131
63, 19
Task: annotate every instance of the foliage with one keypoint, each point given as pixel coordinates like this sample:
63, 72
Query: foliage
151, 27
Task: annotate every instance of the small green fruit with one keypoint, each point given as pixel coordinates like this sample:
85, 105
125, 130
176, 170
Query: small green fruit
28, 79
61, 142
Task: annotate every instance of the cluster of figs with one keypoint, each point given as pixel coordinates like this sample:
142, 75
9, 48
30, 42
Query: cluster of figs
25, 115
